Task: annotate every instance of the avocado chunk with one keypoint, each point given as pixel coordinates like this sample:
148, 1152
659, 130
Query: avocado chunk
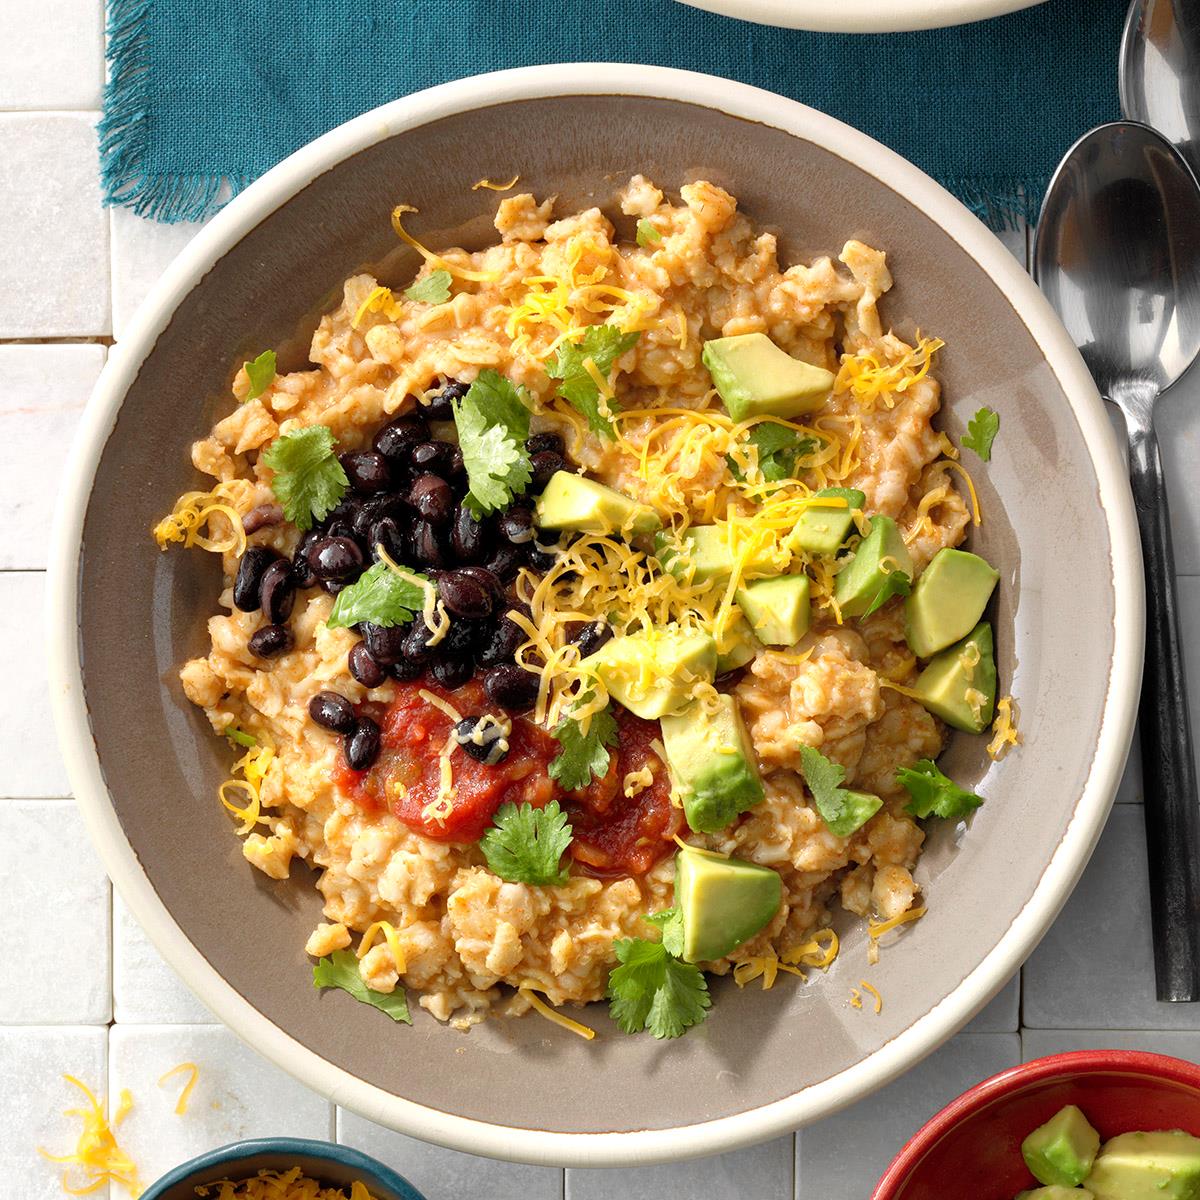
866, 581
1147, 1166
959, 685
712, 764
724, 902
822, 528
652, 672
777, 609
580, 504
705, 552
1063, 1149
947, 600
756, 378
736, 646
1054, 1192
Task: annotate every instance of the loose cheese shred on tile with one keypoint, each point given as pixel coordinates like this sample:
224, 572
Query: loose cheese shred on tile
97, 1153
193, 1072
195, 510
495, 187
540, 1006
866, 987
280, 1185
1005, 734
390, 936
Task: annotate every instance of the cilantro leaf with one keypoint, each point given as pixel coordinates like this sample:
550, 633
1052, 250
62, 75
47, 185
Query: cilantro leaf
841, 809
934, 794
647, 234
309, 480
340, 970
780, 449
981, 432
652, 990
670, 921
260, 372
525, 844
603, 345
379, 596
241, 737
493, 423
433, 289
583, 754
893, 583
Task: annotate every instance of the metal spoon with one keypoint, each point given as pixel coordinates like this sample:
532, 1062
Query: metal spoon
1160, 71
1117, 252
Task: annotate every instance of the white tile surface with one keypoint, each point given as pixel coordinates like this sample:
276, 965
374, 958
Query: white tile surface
51, 53
42, 398
54, 268
238, 1094
438, 1173
32, 766
32, 1116
844, 1155
760, 1172
145, 989
141, 251
1037, 1043
58, 923
1002, 1013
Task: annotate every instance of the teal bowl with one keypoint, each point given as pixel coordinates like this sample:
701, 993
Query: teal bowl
329, 1164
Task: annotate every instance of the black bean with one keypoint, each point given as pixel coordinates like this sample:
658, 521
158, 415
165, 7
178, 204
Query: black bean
464, 595
511, 687
462, 638
591, 637
367, 471
384, 643
539, 443
342, 513
270, 640
439, 408
431, 496
364, 668
468, 535
431, 456
405, 669
501, 643
263, 516
335, 557
386, 533
452, 672
516, 525
248, 581
455, 466
505, 561
729, 678
540, 557
277, 591
484, 576
343, 527
374, 510
426, 547
397, 438
489, 745
335, 586
331, 710
362, 745
542, 466
415, 647
301, 571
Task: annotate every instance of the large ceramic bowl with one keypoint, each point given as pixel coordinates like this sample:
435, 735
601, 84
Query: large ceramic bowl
1058, 521
862, 16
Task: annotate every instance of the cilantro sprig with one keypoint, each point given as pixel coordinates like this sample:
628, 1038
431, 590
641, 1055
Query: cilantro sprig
602, 345
981, 432
892, 583
780, 450
935, 794
433, 289
842, 809
309, 481
340, 970
492, 420
381, 597
670, 921
526, 844
260, 371
647, 235
654, 990
583, 755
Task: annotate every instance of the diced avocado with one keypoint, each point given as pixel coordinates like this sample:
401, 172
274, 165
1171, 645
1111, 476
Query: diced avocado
947, 600
704, 552
1055, 1193
864, 583
580, 504
757, 379
724, 902
712, 764
777, 609
1147, 1166
1063, 1149
736, 646
959, 685
822, 529
652, 672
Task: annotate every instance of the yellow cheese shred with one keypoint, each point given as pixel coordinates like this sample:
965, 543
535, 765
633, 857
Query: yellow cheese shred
194, 511
291, 1184
872, 381
443, 705
193, 1073
253, 765
818, 951
1005, 734
428, 255
877, 929
540, 1006
97, 1153
379, 299
866, 987
976, 510
390, 936
495, 187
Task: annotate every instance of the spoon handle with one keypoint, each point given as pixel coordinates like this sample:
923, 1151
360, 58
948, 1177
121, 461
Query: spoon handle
1172, 807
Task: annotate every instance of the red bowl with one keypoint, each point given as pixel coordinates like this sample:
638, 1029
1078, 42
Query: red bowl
973, 1146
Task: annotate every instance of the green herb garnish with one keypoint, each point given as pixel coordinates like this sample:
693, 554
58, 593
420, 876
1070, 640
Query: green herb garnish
309, 480
981, 432
842, 809
934, 794
433, 289
583, 754
647, 234
492, 420
260, 372
780, 450
670, 921
526, 844
340, 970
602, 345
381, 597
893, 583
653, 990
241, 737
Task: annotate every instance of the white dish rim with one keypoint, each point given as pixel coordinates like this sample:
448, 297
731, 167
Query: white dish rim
861, 16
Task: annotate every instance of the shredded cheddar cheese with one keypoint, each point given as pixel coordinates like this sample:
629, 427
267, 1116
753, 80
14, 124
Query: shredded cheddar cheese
194, 511
193, 1074
379, 300
1005, 734
818, 951
495, 187
440, 704
541, 1007
877, 929
97, 1154
253, 765
428, 255
390, 936
636, 782
291, 1184
872, 381
866, 987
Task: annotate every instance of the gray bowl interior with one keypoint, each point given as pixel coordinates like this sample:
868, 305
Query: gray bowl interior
143, 612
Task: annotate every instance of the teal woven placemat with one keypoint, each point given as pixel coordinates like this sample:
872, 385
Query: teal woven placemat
205, 95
